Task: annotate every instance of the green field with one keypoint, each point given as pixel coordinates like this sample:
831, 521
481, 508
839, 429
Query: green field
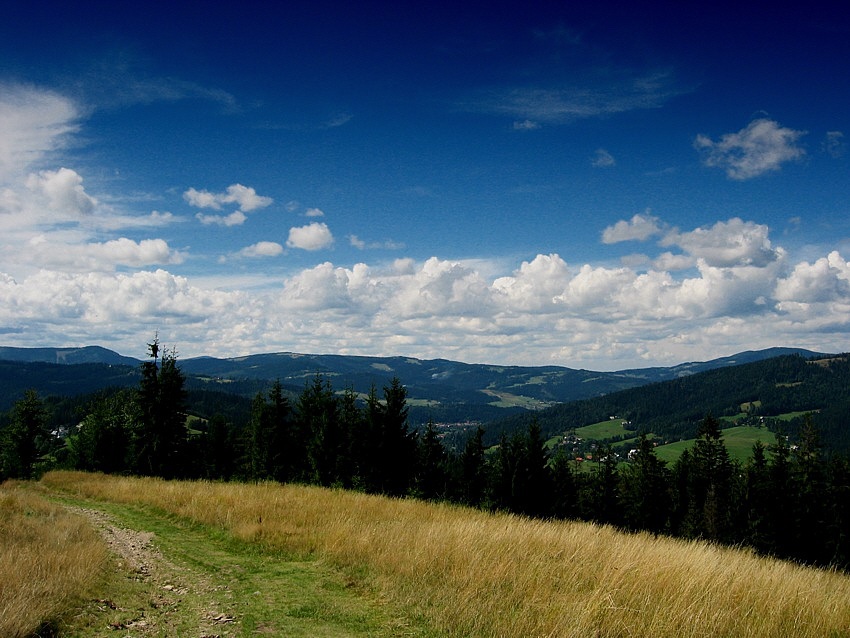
739, 441
603, 430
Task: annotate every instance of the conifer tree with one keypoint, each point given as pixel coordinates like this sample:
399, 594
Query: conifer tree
646, 494
159, 435
565, 486
810, 480
318, 418
19, 441
398, 442
710, 488
432, 474
538, 480
473, 469
102, 441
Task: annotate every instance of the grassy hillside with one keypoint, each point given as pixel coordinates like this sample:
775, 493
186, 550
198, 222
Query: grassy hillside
773, 388
468, 573
50, 562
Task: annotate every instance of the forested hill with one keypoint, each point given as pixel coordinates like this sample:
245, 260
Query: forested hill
673, 409
440, 389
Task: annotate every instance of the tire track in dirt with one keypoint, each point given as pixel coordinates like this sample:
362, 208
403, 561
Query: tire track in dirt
175, 592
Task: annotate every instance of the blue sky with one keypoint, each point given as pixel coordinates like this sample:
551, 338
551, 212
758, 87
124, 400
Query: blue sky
517, 183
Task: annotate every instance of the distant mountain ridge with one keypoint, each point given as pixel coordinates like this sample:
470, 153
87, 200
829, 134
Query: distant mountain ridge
437, 388
86, 354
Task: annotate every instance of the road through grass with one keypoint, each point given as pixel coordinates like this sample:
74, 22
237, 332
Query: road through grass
175, 578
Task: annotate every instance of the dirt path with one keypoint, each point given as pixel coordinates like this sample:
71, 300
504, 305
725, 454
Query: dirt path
162, 598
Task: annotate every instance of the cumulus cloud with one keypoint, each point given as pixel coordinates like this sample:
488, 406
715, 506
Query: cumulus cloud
262, 249
725, 244
603, 159
544, 310
638, 228
762, 147
313, 236
314, 212
100, 256
826, 280
64, 191
244, 197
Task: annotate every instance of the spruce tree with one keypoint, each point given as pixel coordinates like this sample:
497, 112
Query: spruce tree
432, 475
473, 470
646, 495
159, 435
710, 489
20, 440
318, 419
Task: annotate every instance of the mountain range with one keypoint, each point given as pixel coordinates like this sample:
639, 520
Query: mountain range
439, 389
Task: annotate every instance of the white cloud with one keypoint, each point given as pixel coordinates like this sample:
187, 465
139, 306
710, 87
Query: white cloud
313, 236
236, 218
535, 284
603, 159
244, 197
669, 261
544, 311
638, 228
262, 249
725, 244
526, 125
826, 280
64, 191
33, 123
314, 212
763, 146
155, 219
102, 256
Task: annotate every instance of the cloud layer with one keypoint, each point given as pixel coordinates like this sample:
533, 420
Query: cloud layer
78, 267
544, 311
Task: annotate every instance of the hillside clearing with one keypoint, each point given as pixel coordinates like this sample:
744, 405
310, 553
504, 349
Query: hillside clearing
469, 573
171, 577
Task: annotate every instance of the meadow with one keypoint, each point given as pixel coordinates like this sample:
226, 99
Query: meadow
50, 561
471, 573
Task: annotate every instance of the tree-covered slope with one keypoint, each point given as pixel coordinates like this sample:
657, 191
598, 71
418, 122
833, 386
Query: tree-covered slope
672, 409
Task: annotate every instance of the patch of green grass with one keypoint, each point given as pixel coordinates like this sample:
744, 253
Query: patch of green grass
602, 430
508, 400
739, 441
253, 590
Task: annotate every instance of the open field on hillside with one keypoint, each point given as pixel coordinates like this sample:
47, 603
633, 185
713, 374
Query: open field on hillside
739, 441
468, 573
50, 561
602, 430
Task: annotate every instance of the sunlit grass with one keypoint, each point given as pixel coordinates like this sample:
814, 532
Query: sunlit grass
50, 560
474, 574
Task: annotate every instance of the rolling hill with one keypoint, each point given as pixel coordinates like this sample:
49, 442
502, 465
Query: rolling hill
440, 389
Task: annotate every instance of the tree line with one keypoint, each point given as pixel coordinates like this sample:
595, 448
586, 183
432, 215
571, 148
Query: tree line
789, 501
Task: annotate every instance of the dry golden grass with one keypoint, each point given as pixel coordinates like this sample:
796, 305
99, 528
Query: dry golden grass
50, 560
476, 574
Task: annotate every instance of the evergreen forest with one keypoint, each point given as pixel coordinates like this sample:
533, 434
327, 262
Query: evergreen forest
790, 499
